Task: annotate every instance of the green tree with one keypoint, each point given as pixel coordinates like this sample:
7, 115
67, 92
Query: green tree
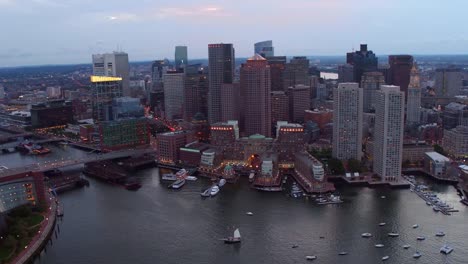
354, 165
336, 166
10, 241
439, 149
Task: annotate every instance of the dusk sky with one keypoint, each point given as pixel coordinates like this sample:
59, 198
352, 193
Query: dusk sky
35, 32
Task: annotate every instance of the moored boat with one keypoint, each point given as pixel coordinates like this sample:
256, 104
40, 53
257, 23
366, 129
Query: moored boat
214, 190
169, 177
440, 234
379, 245
206, 193
417, 255
406, 246
177, 184
311, 257
384, 258
342, 253
236, 238
446, 249
366, 235
393, 234
420, 238
382, 224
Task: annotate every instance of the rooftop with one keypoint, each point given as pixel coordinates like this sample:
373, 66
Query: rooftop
437, 157
96, 79
256, 57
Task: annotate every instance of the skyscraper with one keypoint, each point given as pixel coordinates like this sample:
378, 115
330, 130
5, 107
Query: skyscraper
277, 65
230, 101
347, 121
113, 64
388, 136
279, 107
296, 72
413, 106
448, 82
220, 70
264, 48
196, 87
174, 84
180, 55
370, 83
158, 69
299, 101
399, 72
256, 96
362, 60
103, 90
345, 73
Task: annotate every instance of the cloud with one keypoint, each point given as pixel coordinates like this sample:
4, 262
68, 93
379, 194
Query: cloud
6, 2
207, 11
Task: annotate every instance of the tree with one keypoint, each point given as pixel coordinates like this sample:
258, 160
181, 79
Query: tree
354, 165
335, 166
10, 241
439, 149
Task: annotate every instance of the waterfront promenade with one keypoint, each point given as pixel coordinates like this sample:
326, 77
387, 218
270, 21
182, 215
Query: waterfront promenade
38, 241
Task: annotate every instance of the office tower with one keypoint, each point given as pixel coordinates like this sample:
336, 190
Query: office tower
114, 65
230, 101
455, 114
256, 96
279, 107
399, 72
296, 72
299, 101
277, 65
362, 61
220, 70
370, 83
448, 82
196, 83
264, 49
388, 136
413, 106
158, 69
345, 73
180, 55
103, 91
347, 121
174, 84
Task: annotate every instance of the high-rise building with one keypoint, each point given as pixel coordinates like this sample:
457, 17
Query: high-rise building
113, 65
196, 88
220, 70
388, 135
345, 73
174, 84
181, 58
455, 114
264, 49
289, 139
158, 69
347, 121
370, 83
279, 107
299, 101
413, 106
103, 91
362, 61
277, 65
255, 93
169, 144
296, 72
448, 82
400, 70
230, 101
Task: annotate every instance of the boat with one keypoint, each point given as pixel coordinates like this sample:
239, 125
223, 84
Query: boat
296, 192
177, 184
428, 203
384, 258
366, 235
311, 257
206, 193
191, 178
169, 177
440, 234
420, 238
332, 199
379, 245
214, 190
294, 246
382, 224
60, 212
415, 226
417, 255
183, 173
446, 249
383, 197
236, 238
392, 234
406, 246
252, 176
342, 253
435, 208
249, 213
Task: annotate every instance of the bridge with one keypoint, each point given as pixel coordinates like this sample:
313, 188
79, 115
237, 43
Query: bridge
61, 163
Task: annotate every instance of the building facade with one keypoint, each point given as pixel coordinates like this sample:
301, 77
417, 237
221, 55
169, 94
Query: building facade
21, 189
399, 72
174, 85
362, 61
169, 144
51, 114
448, 82
264, 48
413, 106
296, 72
230, 101
124, 133
455, 141
370, 83
277, 66
113, 65
180, 56
299, 102
103, 91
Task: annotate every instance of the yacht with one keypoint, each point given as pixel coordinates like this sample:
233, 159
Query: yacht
392, 234
406, 246
379, 245
385, 258
420, 238
214, 190
183, 173
311, 257
446, 249
342, 253
382, 224
417, 255
440, 234
236, 238
191, 178
366, 235
177, 184
206, 193
169, 177
296, 192
415, 226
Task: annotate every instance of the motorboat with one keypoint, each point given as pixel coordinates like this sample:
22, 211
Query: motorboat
177, 184
383, 197
235, 238
406, 246
440, 234
415, 226
249, 213
214, 190
446, 249
206, 193
417, 255
183, 173
392, 234
379, 245
366, 235
169, 177
342, 253
428, 203
296, 192
384, 258
420, 238
191, 178
435, 208
311, 257
382, 224
294, 246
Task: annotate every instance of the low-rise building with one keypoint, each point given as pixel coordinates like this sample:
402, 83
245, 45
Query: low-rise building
415, 151
21, 189
169, 144
51, 114
124, 133
455, 142
436, 164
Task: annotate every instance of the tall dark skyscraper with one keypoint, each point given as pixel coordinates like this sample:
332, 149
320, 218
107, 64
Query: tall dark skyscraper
264, 48
399, 72
363, 61
158, 69
221, 70
181, 57
195, 92
277, 65
296, 72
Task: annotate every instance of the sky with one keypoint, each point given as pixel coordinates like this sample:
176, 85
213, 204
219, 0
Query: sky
37, 32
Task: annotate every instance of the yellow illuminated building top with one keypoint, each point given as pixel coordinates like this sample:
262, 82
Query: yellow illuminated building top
95, 79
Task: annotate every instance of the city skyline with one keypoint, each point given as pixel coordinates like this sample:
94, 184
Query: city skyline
98, 28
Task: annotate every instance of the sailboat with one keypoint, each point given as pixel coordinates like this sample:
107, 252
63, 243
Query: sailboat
236, 238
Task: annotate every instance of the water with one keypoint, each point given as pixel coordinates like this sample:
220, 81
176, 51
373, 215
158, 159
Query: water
329, 75
108, 224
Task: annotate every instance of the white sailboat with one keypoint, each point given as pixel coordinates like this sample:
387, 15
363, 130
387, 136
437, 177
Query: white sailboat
236, 238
